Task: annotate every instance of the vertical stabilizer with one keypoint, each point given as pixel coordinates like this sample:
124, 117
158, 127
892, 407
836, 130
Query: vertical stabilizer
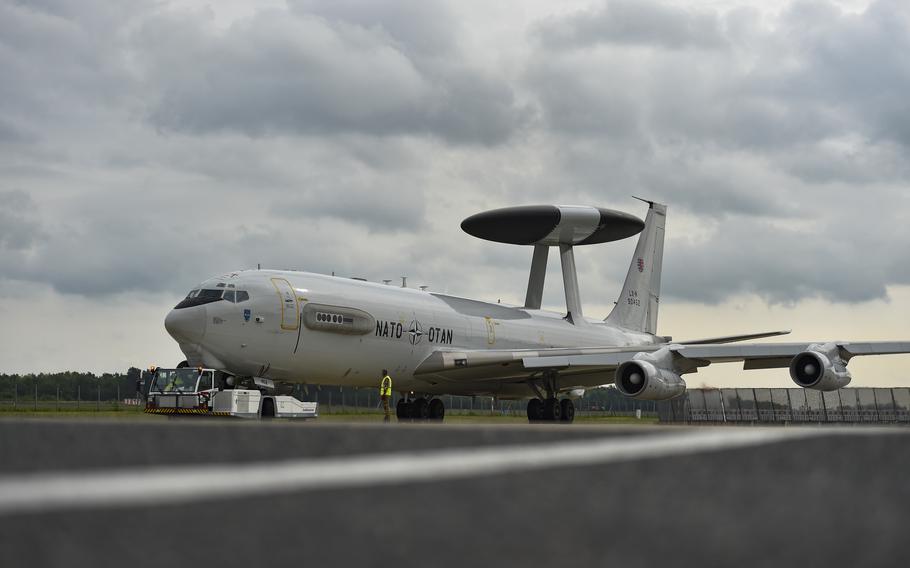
637, 306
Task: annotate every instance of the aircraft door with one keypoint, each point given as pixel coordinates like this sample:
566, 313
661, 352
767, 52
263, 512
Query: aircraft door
491, 330
290, 307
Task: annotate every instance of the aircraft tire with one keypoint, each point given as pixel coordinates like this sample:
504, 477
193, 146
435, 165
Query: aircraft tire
420, 409
535, 410
183, 364
551, 410
402, 409
567, 410
437, 410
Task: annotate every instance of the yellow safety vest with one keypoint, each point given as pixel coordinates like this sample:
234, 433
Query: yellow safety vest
385, 388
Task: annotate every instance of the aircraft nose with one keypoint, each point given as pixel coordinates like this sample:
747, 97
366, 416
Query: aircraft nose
186, 325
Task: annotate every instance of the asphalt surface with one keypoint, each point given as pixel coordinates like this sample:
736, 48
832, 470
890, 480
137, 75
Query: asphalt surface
828, 500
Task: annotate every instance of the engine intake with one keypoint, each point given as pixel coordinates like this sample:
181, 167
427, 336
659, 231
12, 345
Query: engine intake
647, 377
821, 368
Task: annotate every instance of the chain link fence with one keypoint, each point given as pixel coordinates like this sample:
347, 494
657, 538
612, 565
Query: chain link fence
794, 405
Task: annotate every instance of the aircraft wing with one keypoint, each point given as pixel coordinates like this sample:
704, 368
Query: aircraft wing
734, 338
598, 363
520, 364
753, 356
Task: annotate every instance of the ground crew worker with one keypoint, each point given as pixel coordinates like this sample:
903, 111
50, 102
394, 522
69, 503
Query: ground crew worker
385, 393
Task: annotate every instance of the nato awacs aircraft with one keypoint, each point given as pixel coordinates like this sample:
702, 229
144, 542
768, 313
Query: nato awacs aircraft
298, 327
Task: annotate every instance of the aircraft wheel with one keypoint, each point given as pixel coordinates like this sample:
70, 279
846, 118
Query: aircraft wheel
567, 410
402, 409
268, 407
437, 410
535, 410
551, 410
420, 409
183, 364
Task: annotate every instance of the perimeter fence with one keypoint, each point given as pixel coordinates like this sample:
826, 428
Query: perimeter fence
67, 391
849, 405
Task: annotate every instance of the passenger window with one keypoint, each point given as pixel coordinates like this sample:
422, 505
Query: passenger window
242, 296
229, 296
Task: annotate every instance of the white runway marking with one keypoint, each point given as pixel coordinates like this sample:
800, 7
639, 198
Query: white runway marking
182, 484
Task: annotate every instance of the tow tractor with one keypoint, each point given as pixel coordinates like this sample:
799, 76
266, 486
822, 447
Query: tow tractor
201, 391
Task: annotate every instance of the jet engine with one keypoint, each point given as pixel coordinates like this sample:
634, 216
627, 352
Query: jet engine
820, 367
650, 376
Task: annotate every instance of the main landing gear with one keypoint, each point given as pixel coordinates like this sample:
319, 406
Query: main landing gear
546, 407
551, 410
420, 409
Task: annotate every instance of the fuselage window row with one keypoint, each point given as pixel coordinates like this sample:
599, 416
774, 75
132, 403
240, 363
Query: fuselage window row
333, 318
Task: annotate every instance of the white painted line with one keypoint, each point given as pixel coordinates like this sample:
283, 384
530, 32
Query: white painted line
37, 492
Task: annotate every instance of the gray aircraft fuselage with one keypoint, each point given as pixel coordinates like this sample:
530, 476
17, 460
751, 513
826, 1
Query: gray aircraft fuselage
285, 332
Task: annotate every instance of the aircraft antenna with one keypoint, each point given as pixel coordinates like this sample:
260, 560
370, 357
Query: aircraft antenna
544, 226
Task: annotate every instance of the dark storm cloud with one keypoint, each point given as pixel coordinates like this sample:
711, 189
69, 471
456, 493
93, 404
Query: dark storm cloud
783, 264
9, 134
380, 206
816, 73
18, 228
155, 146
301, 74
60, 59
783, 122
80, 257
860, 63
633, 22
713, 193
424, 28
594, 104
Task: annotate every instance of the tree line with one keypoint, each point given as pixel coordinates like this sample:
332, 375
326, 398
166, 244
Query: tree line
74, 385
69, 385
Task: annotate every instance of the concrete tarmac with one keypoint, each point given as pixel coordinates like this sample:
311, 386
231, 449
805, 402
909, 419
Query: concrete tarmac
835, 497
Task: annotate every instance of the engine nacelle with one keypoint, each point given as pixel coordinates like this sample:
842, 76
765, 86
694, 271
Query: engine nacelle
650, 376
820, 367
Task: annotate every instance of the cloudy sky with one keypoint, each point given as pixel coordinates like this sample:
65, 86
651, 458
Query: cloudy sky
147, 145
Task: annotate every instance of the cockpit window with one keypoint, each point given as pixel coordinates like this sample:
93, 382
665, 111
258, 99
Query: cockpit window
229, 296
205, 296
242, 296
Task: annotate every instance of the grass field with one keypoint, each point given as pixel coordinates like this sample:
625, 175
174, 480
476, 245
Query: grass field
487, 418
109, 410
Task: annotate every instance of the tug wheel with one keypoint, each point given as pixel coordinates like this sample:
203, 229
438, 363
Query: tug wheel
268, 408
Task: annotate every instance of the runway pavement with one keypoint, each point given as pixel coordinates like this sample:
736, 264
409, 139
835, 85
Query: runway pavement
246, 494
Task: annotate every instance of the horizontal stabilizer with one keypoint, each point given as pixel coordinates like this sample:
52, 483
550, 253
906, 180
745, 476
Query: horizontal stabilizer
734, 338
